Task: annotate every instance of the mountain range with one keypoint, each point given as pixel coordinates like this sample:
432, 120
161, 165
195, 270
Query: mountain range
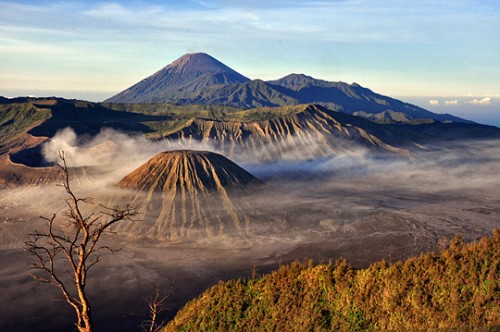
305, 131
198, 78
209, 102
402, 178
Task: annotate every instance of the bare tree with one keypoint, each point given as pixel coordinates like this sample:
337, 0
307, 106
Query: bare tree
74, 249
156, 305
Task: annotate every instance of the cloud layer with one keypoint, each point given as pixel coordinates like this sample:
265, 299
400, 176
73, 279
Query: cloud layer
115, 154
477, 101
482, 101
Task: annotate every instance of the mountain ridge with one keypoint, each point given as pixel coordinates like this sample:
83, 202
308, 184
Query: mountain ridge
322, 131
201, 79
25, 123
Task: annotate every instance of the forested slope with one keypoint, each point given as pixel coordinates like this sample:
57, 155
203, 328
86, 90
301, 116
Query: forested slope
458, 288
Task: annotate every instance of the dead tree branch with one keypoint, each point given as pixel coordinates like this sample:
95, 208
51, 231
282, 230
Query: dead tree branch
74, 249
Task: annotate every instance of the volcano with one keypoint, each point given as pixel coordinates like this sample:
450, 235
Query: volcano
198, 78
181, 78
187, 194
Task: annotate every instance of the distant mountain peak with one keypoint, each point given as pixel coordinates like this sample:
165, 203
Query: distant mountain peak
298, 76
298, 81
197, 63
191, 72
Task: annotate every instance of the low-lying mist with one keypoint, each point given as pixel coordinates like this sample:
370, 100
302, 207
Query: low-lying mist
303, 190
115, 154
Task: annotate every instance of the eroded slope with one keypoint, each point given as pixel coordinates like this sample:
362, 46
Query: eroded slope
191, 194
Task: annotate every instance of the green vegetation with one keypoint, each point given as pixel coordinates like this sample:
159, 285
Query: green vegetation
174, 110
459, 288
18, 118
208, 112
265, 113
154, 120
176, 117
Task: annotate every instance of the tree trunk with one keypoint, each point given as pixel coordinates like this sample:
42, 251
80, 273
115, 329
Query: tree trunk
85, 314
85, 319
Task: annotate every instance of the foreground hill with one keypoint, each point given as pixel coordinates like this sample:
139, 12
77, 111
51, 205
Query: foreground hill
200, 79
455, 289
186, 194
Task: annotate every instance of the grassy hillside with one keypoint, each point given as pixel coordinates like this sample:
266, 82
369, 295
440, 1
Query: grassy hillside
459, 288
18, 118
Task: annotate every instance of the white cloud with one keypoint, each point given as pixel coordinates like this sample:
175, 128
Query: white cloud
20, 47
451, 102
338, 21
434, 102
483, 101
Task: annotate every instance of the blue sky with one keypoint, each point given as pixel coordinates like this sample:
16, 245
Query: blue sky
425, 50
